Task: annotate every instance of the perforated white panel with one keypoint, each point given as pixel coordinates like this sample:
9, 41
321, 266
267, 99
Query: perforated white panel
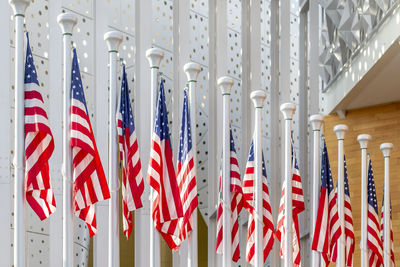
198, 52
266, 82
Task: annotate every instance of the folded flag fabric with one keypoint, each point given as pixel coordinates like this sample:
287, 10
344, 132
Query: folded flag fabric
132, 177
249, 204
327, 228
39, 144
235, 207
90, 184
161, 176
297, 207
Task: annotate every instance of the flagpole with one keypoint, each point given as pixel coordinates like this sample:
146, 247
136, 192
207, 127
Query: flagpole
316, 121
225, 84
363, 139
386, 149
192, 70
288, 110
67, 21
113, 39
258, 98
340, 131
19, 7
154, 56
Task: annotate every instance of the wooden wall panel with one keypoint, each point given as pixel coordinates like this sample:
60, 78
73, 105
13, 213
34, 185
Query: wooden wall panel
382, 122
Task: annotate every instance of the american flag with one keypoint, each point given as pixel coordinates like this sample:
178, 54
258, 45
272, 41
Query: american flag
375, 248
90, 184
236, 205
327, 228
248, 197
39, 144
186, 172
392, 264
132, 177
297, 207
167, 205
348, 224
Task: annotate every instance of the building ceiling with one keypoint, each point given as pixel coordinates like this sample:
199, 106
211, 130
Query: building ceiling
381, 84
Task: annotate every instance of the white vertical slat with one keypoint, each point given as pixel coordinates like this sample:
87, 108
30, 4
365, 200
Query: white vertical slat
275, 150
143, 18
217, 68
55, 119
181, 33
100, 90
5, 157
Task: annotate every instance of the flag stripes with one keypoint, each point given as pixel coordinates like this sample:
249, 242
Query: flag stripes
39, 144
186, 173
236, 204
248, 197
132, 177
167, 205
297, 207
90, 184
392, 263
327, 228
374, 241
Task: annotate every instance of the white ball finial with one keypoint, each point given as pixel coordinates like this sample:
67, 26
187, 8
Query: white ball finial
288, 110
386, 149
19, 6
67, 22
113, 40
258, 98
225, 83
363, 139
316, 121
340, 131
154, 56
192, 70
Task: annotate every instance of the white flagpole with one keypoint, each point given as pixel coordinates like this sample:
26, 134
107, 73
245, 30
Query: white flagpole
288, 110
225, 83
386, 149
67, 22
258, 98
363, 139
316, 121
154, 56
340, 131
19, 7
192, 70
113, 40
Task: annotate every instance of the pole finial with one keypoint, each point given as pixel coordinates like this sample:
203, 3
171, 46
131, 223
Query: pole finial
154, 56
67, 22
386, 149
192, 70
113, 40
340, 131
225, 83
19, 6
288, 110
258, 98
316, 121
363, 139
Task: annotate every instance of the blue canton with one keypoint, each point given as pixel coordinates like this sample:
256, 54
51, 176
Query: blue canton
185, 138
232, 141
371, 188
251, 158
76, 81
326, 174
161, 124
125, 106
346, 182
30, 70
